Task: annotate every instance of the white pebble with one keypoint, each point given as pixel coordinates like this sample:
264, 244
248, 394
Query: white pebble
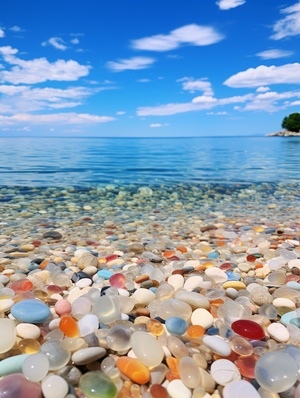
177, 389
240, 388
284, 302
176, 281
28, 331
192, 282
88, 355
217, 345
224, 372
202, 317
83, 282
278, 332
54, 386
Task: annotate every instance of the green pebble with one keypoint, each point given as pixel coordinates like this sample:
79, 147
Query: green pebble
96, 384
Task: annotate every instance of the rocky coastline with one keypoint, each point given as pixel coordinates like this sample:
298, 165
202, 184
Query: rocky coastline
284, 133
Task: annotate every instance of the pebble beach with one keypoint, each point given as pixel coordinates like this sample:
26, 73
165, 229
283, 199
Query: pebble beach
153, 291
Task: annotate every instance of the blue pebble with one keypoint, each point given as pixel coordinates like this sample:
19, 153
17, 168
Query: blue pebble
31, 311
293, 285
213, 331
295, 321
153, 289
288, 316
233, 276
176, 325
12, 364
213, 255
105, 273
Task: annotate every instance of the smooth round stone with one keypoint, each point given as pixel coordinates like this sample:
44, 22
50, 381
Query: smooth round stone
294, 351
133, 369
176, 281
118, 280
177, 389
276, 371
289, 316
81, 306
176, 325
240, 345
8, 334
240, 388
54, 386
147, 348
16, 385
6, 304
105, 274
29, 346
217, 345
28, 331
63, 307
284, 302
118, 338
31, 311
12, 364
195, 300
246, 365
174, 307
84, 282
56, 354
278, 332
232, 293
177, 348
192, 282
216, 274
143, 296
189, 372
248, 329
224, 372
231, 311
88, 355
107, 309
293, 285
202, 317
88, 324
268, 311
35, 367
237, 285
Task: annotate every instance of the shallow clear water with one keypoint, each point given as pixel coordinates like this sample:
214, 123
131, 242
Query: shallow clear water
92, 161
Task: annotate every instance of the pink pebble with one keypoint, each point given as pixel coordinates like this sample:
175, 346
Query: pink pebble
117, 280
63, 307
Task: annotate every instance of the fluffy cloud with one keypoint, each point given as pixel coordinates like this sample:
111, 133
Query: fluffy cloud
56, 42
193, 35
266, 75
57, 118
289, 25
191, 85
273, 54
134, 63
228, 4
2, 33
39, 70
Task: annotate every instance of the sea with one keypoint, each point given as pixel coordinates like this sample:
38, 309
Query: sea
84, 162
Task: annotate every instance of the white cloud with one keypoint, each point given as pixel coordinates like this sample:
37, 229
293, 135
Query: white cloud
16, 29
119, 113
193, 35
75, 41
217, 113
134, 63
266, 75
40, 69
143, 80
289, 25
273, 54
156, 125
56, 42
57, 118
262, 89
228, 4
192, 85
203, 99
2, 33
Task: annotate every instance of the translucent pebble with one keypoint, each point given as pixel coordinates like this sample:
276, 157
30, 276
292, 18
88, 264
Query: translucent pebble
176, 325
158, 391
118, 338
146, 348
177, 348
174, 307
231, 311
240, 345
72, 345
195, 300
248, 329
35, 367
134, 369
54, 386
81, 306
57, 355
107, 364
88, 324
224, 372
294, 352
107, 309
269, 311
69, 326
163, 291
195, 331
155, 327
29, 346
246, 365
189, 372
277, 277
16, 385
177, 389
240, 388
117, 280
270, 373
8, 334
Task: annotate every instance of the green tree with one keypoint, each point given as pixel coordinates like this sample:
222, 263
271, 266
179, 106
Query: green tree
292, 122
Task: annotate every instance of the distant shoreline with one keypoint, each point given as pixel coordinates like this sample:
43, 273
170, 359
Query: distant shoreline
284, 133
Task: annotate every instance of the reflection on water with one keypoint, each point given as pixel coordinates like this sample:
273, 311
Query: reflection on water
93, 161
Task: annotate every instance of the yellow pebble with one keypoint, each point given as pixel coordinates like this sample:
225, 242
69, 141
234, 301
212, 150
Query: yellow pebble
258, 229
235, 285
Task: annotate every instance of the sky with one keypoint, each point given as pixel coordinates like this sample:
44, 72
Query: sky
148, 68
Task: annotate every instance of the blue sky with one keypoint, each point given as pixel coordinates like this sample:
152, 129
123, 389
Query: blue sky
145, 68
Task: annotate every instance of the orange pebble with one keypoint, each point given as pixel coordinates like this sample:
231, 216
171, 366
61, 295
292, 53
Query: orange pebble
173, 364
134, 369
44, 264
69, 326
258, 265
168, 253
158, 391
155, 327
181, 249
195, 331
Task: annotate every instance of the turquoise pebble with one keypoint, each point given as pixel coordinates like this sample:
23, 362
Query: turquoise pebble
176, 325
295, 321
288, 316
31, 311
105, 273
153, 289
233, 276
293, 285
12, 364
213, 255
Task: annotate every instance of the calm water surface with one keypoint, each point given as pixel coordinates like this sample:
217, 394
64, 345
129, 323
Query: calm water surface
92, 161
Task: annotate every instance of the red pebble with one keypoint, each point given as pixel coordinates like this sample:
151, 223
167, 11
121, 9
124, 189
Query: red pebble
226, 266
54, 289
117, 280
111, 257
246, 365
21, 286
251, 258
249, 329
36, 243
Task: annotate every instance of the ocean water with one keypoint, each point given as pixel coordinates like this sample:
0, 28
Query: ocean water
84, 162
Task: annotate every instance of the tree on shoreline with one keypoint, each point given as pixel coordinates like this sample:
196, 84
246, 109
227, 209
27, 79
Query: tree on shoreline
292, 122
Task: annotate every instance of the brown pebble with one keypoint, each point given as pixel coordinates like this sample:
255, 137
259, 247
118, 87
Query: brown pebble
142, 278
158, 391
295, 271
142, 311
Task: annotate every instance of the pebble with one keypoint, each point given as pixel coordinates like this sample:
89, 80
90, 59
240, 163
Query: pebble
28, 331
177, 389
240, 388
278, 332
133, 369
87, 355
224, 372
202, 317
8, 334
147, 348
217, 345
12, 364
16, 385
31, 311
